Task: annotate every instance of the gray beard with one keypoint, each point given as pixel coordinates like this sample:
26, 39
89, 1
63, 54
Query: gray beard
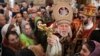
63, 34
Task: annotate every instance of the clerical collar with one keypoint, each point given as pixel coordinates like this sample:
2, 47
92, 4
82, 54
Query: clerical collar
89, 26
97, 29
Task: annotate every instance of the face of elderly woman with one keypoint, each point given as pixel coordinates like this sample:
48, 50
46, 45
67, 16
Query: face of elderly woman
84, 51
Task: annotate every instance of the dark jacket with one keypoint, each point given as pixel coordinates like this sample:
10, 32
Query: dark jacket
95, 35
7, 52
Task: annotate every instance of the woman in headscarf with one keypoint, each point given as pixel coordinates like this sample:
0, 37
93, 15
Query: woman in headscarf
90, 48
40, 35
13, 44
14, 47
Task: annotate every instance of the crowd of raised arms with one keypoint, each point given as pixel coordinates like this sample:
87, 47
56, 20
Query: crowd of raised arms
30, 30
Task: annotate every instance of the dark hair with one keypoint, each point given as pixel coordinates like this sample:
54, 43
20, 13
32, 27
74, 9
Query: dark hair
17, 14
10, 27
85, 22
23, 13
14, 14
11, 32
99, 8
98, 17
31, 4
16, 3
5, 4
90, 45
1, 11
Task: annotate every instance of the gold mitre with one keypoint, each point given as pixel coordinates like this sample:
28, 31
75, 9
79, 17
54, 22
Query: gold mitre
90, 10
62, 11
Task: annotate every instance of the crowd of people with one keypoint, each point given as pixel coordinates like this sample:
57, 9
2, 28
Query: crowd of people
24, 32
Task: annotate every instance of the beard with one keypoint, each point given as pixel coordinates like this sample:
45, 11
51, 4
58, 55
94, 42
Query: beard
63, 33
